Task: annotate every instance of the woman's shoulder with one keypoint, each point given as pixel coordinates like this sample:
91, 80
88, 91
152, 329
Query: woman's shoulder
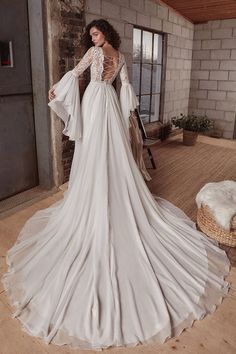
91, 49
94, 50
113, 53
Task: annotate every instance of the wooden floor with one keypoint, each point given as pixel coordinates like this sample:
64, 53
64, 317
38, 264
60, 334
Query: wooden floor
181, 172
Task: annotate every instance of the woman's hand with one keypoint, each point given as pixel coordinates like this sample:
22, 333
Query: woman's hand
51, 94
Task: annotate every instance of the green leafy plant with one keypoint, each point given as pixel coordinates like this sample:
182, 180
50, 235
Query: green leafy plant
192, 122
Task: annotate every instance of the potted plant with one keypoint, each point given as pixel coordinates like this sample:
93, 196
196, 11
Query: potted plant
192, 125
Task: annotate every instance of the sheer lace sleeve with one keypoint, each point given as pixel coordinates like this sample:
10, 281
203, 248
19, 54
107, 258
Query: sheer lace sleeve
66, 104
124, 74
128, 99
84, 63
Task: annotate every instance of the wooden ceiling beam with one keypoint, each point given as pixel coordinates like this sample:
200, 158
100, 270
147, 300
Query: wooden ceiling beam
203, 10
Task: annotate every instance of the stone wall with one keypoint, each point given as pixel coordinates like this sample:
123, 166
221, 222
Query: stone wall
213, 78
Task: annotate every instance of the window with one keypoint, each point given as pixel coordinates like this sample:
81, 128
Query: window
147, 72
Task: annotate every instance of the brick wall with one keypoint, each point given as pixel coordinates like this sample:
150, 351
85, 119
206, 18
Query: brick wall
65, 25
213, 79
178, 70
72, 23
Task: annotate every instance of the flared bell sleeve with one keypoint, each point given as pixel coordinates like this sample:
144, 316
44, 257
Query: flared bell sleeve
66, 103
128, 99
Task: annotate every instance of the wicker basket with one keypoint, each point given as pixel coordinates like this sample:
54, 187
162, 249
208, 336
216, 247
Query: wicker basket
208, 225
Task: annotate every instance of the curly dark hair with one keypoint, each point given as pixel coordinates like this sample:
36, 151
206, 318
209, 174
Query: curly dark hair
106, 28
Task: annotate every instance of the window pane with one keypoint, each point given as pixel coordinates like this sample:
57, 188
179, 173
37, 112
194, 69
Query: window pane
136, 77
147, 47
155, 106
156, 79
146, 78
157, 50
147, 61
145, 108
137, 45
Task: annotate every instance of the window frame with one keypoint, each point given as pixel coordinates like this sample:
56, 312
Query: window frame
163, 72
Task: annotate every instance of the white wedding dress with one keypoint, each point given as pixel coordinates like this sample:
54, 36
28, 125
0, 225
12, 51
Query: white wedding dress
109, 264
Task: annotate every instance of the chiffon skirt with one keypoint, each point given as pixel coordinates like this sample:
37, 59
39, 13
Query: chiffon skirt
110, 264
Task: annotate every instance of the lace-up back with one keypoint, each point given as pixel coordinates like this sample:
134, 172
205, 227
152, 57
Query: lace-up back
103, 67
110, 65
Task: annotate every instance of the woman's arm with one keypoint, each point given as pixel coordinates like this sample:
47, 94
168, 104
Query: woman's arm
84, 63
65, 98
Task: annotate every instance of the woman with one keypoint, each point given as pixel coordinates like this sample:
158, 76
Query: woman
109, 265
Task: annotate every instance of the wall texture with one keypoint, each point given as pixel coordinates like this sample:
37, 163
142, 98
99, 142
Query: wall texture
65, 20
213, 78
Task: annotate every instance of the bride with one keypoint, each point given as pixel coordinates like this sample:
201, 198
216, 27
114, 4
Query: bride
109, 264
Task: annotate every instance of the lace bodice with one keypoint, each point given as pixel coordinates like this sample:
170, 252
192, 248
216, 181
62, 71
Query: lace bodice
102, 67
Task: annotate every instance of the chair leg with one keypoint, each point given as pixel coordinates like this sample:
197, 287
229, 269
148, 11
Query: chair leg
151, 158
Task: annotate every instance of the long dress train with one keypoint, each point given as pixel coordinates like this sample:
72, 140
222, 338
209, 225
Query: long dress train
109, 264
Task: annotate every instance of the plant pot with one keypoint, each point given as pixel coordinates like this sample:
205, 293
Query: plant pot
189, 137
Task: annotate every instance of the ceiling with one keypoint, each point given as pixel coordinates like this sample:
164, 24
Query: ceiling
204, 10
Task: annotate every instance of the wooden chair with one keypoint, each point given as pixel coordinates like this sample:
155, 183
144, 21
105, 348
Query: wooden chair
148, 142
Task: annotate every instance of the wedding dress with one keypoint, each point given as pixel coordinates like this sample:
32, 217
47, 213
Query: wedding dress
109, 264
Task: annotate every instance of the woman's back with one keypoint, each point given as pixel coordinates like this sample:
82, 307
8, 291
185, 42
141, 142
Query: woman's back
105, 66
111, 60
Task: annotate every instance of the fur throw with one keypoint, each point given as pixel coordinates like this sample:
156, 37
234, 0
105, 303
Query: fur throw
220, 197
